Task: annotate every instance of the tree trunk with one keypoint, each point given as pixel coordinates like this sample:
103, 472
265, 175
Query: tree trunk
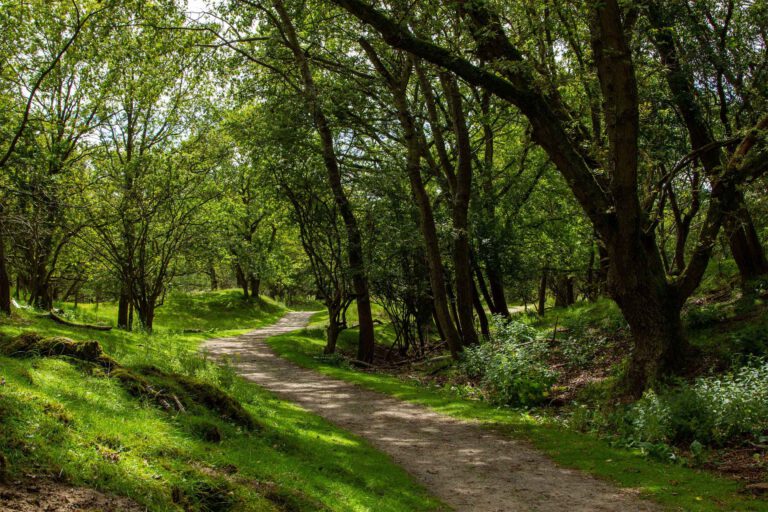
333, 330
147, 315
332, 335
123, 305
5, 281
651, 306
214, 277
255, 287
560, 295
241, 280
591, 286
660, 346
40, 296
461, 198
745, 244
497, 288
542, 291
484, 330
480, 279
355, 257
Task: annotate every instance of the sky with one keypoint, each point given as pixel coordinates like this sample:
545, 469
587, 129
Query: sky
197, 5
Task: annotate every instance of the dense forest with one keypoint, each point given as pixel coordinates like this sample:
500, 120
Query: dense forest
549, 216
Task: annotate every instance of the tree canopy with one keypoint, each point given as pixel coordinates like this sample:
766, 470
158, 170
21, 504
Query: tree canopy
444, 159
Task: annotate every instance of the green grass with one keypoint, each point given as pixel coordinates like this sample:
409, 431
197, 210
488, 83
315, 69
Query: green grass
674, 486
68, 419
220, 313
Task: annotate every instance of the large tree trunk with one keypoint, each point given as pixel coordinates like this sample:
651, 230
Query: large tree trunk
123, 306
354, 239
5, 281
745, 244
461, 198
651, 306
255, 287
660, 346
241, 280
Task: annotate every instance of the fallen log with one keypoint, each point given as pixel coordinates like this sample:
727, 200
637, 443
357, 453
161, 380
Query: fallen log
56, 318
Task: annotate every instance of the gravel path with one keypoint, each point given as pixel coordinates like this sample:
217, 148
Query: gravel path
466, 466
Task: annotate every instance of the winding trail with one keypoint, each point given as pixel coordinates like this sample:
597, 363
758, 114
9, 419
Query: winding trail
468, 467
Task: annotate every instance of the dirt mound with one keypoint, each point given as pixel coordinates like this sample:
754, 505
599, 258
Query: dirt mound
31, 344
42, 495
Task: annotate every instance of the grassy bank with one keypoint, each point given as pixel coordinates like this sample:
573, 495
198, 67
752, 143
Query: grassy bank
75, 421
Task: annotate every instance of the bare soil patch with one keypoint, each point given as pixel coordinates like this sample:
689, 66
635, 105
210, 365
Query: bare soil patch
44, 495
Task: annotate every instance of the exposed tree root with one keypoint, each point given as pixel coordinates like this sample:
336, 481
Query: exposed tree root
32, 344
59, 320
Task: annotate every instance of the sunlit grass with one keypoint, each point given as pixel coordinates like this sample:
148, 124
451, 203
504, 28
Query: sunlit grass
71, 421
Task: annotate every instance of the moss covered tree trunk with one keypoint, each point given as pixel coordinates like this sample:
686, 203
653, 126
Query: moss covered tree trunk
5, 281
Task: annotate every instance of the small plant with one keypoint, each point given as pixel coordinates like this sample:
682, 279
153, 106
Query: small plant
697, 453
510, 367
582, 351
704, 316
753, 340
711, 411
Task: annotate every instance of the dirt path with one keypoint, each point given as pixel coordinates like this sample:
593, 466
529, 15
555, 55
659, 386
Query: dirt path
463, 464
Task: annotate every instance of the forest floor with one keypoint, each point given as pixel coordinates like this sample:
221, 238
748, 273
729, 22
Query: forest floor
463, 464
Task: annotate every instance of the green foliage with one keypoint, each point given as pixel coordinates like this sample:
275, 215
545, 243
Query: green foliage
751, 340
510, 367
704, 316
712, 411
582, 350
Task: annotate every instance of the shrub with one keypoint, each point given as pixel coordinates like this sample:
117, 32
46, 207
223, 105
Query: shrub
752, 340
583, 350
704, 316
510, 367
712, 410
